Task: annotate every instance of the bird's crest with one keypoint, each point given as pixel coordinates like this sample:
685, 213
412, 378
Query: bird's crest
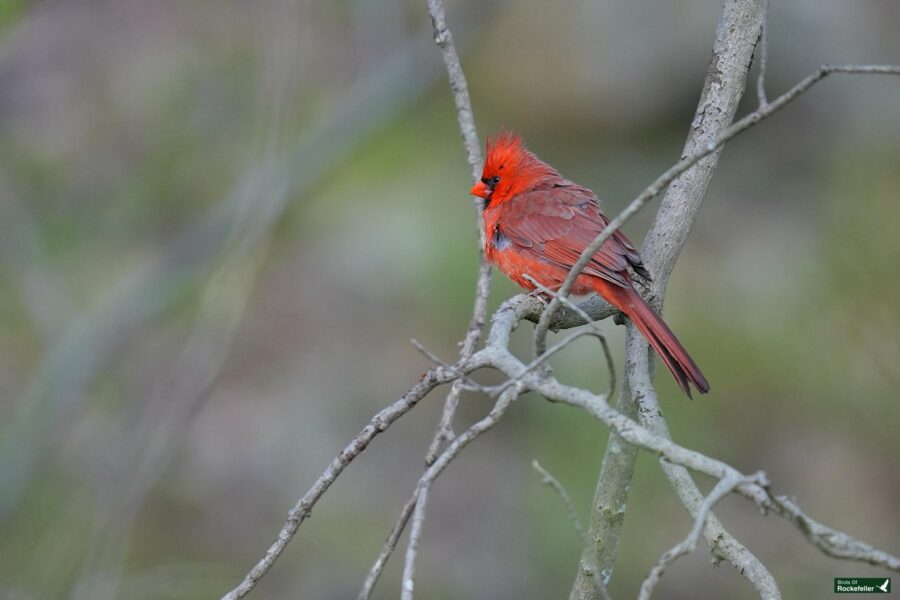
505, 148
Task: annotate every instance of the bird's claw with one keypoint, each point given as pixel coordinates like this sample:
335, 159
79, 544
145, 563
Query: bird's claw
541, 295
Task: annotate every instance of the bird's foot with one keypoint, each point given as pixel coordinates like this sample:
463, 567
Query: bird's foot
541, 295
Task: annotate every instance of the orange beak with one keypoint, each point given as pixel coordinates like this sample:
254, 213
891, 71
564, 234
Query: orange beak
481, 190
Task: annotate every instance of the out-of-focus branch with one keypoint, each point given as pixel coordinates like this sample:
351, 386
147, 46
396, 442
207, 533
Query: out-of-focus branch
43, 290
444, 40
164, 417
552, 482
92, 340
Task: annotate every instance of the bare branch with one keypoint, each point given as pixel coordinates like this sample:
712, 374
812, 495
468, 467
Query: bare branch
579, 311
94, 339
466, 118
738, 31
595, 327
836, 544
444, 39
595, 306
444, 431
496, 354
396, 531
722, 544
452, 451
660, 252
608, 508
660, 183
554, 483
689, 544
736, 35
390, 544
379, 423
530, 367
427, 353
464, 382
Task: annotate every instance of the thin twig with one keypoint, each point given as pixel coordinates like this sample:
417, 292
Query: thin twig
464, 382
390, 544
560, 345
737, 35
566, 302
427, 353
497, 355
379, 423
444, 432
660, 183
831, 542
450, 453
466, 119
141, 297
554, 483
595, 327
724, 487
722, 544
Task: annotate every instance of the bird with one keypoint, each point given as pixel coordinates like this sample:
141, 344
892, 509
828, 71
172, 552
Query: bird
536, 225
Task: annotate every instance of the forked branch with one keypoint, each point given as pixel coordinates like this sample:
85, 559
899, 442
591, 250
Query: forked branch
522, 377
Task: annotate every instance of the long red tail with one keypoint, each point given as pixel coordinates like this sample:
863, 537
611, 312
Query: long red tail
657, 333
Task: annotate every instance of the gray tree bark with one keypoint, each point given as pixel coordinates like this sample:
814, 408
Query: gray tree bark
736, 36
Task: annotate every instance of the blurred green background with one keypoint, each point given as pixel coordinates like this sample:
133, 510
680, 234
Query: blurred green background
222, 222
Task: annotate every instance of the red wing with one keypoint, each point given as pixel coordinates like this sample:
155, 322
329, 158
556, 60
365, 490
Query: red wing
556, 225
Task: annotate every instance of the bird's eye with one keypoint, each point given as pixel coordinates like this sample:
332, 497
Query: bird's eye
490, 182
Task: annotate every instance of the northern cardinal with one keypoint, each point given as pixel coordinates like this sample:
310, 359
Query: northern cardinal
537, 223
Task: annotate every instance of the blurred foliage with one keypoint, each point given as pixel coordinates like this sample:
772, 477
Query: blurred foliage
138, 138
10, 11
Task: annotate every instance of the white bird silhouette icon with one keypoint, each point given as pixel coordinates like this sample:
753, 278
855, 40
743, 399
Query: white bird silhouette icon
884, 586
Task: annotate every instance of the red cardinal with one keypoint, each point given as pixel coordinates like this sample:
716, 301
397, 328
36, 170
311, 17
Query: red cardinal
537, 223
